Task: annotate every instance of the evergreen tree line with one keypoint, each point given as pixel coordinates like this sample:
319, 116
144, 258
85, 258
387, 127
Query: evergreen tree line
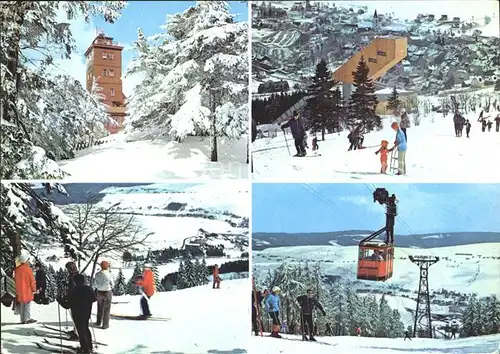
171, 254
345, 309
326, 111
481, 317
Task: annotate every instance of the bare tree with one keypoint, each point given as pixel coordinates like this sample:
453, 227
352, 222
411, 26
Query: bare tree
101, 231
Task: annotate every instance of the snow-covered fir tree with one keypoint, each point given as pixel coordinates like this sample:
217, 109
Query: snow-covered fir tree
363, 101
51, 290
202, 271
31, 32
345, 309
156, 274
195, 77
394, 103
131, 288
61, 280
324, 104
120, 284
28, 217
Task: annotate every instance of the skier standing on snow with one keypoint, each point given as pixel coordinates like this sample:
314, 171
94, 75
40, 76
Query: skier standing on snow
483, 125
298, 133
400, 143
256, 310
73, 271
456, 121
461, 125
497, 123
215, 275
146, 282
358, 331
41, 284
25, 288
490, 124
273, 308
103, 286
79, 300
467, 127
355, 138
407, 335
307, 305
315, 146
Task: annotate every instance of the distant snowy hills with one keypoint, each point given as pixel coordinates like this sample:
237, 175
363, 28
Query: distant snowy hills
261, 241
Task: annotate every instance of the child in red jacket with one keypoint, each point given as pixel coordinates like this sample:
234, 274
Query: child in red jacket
384, 151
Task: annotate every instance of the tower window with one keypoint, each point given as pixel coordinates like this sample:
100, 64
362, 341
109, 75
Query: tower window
104, 55
111, 72
372, 60
382, 54
112, 92
104, 72
111, 56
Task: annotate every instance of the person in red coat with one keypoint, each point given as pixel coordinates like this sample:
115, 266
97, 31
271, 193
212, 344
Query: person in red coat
147, 283
25, 288
216, 283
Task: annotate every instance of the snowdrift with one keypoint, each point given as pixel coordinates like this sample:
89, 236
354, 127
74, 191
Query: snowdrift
157, 160
201, 320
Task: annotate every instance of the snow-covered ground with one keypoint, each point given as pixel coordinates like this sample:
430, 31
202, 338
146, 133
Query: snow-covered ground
366, 345
201, 320
156, 160
434, 154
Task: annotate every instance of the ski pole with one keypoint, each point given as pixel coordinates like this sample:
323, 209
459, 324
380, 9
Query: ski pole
60, 329
286, 142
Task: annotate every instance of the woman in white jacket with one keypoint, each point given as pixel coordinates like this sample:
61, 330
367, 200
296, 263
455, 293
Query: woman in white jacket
103, 286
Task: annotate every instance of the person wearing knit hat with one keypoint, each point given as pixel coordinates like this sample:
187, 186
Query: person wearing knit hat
103, 286
25, 288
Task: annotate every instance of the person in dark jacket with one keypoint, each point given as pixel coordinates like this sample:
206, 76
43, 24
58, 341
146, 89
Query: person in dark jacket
79, 300
257, 310
356, 138
298, 132
467, 127
407, 335
41, 284
497, 123
72, 272
307, 305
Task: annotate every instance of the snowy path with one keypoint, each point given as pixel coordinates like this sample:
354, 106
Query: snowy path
157, 160
364, 345
202, 320
434, 154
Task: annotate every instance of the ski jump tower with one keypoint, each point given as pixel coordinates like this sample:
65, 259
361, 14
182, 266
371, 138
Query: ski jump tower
381, 55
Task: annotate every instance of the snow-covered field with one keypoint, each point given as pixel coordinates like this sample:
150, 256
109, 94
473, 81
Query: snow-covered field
221, 202
434, 154
454, 271
156, 160
366, 345
201, 320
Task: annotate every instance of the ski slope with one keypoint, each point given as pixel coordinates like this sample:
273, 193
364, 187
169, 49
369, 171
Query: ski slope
434, 155
202, 320
364, 345
157, 160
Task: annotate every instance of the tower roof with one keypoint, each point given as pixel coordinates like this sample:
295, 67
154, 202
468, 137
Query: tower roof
103, 41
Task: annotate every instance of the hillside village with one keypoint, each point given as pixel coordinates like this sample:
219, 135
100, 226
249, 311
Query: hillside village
443, 53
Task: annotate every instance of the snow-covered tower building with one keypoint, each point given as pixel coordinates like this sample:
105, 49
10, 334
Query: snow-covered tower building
104, 63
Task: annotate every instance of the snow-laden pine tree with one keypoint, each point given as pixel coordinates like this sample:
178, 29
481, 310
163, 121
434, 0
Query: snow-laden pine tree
363, 101
203, 272
131, 288
120, 284
30, 218
157, 281
195, 77
394, 103
51, 290
61, 280
32, 33
383, 319
470, 318
493, 315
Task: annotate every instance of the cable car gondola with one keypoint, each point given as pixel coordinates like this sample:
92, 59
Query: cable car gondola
376, 257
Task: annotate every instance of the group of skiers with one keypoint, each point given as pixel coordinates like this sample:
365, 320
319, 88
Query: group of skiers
78, 298
488, 124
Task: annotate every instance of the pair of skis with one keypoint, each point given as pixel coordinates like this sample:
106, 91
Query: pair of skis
256, 304
54, 347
